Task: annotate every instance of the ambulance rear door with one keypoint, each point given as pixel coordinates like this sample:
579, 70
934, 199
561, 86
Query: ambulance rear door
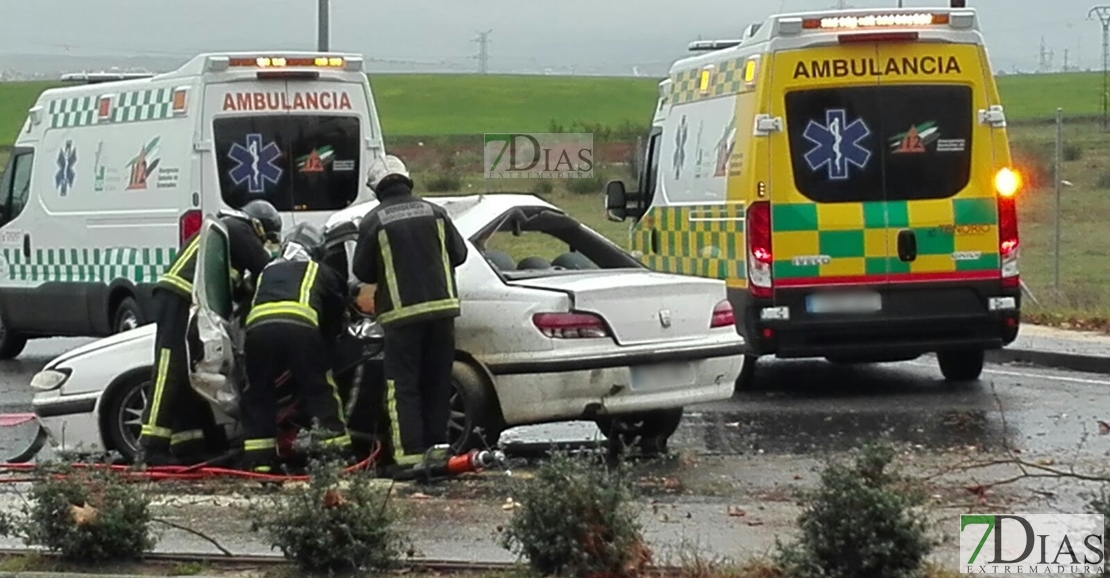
296, 138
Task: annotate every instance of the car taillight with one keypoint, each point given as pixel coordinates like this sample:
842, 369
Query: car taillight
188, 226
570, 325
1007, 183
758, 228
722, 315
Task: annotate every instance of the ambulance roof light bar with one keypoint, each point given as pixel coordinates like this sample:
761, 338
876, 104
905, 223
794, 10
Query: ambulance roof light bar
223, 63
872, 20
710, 45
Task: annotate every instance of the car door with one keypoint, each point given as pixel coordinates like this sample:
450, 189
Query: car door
217, 372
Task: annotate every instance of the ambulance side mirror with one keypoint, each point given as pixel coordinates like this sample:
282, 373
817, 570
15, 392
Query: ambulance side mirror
616, 201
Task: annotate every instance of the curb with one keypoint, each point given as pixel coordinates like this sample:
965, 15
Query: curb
1069, 361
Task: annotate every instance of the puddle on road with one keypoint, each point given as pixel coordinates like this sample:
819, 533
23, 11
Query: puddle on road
814, 431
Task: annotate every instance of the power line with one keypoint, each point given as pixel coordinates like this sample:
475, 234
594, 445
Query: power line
1103, 13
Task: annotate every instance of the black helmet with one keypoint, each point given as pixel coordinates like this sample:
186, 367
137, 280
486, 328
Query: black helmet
265, 219
307, 237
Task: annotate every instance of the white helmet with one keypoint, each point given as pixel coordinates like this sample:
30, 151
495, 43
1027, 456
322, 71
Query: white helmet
384, 167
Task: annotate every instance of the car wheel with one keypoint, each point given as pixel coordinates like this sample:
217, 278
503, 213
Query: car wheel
11, 343
649, 431
470, 425
123, 419
747, 374
128, 316
961, 365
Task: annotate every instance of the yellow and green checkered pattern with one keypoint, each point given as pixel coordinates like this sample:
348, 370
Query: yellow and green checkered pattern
725, 78
704, 240
139, 265
131, 106
861, 238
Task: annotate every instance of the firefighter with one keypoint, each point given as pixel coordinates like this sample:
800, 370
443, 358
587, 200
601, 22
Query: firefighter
296, 316
406, 254
178, 425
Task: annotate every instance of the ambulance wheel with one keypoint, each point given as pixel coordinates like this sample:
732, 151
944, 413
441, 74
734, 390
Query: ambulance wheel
11, 344
961, 365
123, 419
471, 424
649, 430
127, 316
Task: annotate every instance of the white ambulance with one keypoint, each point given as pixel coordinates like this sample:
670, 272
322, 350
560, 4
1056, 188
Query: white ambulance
108, 179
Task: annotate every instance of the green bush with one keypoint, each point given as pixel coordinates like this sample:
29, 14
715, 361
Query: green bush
543, 187
87, 515
1104, 181
328, 528
444, 182
586, 186
859, 523
1073, 152
576, 518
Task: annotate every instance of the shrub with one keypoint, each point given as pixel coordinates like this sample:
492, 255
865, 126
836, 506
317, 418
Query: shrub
1073, 152
859, 523
88, 515
1104, 181
586, 186
543, 187
576, 519
444, 182
325, 527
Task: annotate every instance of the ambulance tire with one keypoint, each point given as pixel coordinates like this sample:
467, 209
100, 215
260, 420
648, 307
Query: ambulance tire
472, 423
961, 365
127, 316
11, 344
648, 431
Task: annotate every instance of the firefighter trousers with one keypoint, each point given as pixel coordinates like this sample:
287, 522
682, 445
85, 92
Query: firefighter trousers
417, 366
175, 416
272, 349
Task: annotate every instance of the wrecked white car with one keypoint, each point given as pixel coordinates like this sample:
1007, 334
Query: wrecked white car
557, 324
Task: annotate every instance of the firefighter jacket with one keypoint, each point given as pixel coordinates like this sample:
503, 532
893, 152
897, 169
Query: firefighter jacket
300, 291
247, 253
410, 249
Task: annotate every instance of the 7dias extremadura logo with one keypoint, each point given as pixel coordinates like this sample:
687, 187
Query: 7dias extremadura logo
1031, 544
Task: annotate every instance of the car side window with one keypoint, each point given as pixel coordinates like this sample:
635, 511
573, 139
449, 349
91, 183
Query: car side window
15, 186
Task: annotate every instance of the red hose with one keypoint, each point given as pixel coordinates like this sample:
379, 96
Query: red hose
178, 473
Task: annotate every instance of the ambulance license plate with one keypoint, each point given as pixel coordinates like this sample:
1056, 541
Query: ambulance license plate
661, 377
867, 302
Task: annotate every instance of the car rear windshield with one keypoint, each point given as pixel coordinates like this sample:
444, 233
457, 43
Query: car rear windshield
880, 143
298, 163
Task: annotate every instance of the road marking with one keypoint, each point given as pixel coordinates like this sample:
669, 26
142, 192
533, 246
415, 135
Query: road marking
1033, 375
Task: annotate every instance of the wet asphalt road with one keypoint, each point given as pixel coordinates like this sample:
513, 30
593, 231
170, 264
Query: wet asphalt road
815, 407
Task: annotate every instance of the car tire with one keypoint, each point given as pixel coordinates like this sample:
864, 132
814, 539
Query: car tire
747, 374
649, 431
961, 365
127, 316
471, 424
11, 344
122, 418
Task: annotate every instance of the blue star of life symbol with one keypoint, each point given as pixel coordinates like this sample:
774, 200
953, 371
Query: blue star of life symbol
837, 144
67, 158
254, 163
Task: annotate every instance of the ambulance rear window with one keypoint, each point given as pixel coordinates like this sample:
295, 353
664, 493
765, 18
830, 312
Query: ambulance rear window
877, 143
298, 163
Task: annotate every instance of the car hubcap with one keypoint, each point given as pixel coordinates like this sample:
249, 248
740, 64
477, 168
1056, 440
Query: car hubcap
131, 417
128, 322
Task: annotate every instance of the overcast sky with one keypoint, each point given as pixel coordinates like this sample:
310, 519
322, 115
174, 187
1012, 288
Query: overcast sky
527, 34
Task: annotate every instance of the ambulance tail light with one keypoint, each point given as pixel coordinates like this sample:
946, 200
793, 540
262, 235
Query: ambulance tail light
910, 36
1008, 240
760, 258
189, 225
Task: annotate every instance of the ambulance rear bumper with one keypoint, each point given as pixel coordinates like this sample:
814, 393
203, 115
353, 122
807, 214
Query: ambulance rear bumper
914, 320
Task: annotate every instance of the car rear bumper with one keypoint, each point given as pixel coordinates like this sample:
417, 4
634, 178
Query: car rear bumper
916, 319
550, 396
69, 421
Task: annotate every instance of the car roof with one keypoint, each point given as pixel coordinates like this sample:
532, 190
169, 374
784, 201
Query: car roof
468, 212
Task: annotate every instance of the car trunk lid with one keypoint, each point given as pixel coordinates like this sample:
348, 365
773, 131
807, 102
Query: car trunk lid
639, 306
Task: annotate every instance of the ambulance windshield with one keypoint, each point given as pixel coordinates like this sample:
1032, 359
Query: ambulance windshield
879, 143
298, 163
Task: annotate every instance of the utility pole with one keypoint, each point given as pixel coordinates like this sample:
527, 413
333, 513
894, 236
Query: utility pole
1103, 13
322, 22
1065, 60
483, 51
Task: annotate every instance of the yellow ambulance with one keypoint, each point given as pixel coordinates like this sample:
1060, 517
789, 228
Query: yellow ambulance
848, 174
